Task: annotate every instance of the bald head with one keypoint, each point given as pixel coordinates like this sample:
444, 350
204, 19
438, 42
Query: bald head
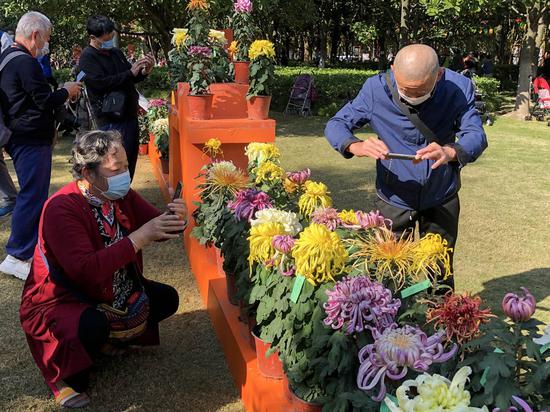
416, 69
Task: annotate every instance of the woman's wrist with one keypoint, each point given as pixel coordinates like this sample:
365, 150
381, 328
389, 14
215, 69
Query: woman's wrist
137, 242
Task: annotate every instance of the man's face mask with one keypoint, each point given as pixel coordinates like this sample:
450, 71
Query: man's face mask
108, 44
44, 50
415, 101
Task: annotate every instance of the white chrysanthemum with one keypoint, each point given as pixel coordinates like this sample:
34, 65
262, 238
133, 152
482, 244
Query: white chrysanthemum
160, 126
288, 219
435, 393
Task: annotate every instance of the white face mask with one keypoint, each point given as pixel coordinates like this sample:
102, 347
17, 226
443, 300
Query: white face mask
44, 50
415, 101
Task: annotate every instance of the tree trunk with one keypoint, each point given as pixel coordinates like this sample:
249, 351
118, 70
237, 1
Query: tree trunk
322, 48
527, 59
404, 26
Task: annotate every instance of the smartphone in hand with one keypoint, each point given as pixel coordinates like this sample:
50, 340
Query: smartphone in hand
400, 156
177, 195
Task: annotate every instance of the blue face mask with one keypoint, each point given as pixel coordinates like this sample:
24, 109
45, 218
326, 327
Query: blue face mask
108, 44
118, 186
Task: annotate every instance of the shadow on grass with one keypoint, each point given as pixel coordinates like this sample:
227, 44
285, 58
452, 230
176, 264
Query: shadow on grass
536, 280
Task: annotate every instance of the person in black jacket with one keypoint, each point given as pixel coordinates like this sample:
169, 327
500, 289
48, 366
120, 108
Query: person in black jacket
109, 76
29, 102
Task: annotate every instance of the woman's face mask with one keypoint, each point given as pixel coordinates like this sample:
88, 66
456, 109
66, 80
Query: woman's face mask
117, 186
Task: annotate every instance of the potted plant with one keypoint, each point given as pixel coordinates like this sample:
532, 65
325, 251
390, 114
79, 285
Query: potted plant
143, 133
162, 141
178, 58
262, 73
199, 63
220, 56
243, 31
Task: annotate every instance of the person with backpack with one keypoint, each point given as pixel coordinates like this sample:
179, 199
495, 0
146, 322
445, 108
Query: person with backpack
8, 191
428, 129
29, 103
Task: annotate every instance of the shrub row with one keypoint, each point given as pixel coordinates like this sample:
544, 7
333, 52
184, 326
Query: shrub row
334, 86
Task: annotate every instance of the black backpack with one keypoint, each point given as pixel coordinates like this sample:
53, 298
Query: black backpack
5, 132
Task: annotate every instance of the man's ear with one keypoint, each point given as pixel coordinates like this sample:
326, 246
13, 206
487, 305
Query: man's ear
440, 74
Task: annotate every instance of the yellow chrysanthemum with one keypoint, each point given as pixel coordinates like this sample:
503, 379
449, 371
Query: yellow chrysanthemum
268, 172
435, 393
213, 147
348, 217
261, 152
290, 186
316, 195
233, 48
178, 37
217, 36
197, 4
431, 257
261, 249
224, 176
391, 256
319, 254
261, 48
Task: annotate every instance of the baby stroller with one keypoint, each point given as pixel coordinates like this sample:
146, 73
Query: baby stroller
539, 104
301, 95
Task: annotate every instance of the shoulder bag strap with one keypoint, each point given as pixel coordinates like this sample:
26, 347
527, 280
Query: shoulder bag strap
10, 57
413, 117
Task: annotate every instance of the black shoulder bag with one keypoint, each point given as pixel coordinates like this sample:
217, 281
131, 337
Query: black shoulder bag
5, 132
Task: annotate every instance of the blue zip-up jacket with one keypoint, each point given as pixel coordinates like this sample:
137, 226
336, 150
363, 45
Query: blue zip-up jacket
450, 114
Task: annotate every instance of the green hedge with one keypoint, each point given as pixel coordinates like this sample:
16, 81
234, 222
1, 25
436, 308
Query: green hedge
490, 89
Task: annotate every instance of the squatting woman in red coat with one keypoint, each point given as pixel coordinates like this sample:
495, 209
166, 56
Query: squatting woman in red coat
89, 255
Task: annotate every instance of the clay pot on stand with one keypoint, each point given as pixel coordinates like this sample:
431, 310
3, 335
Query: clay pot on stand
303, 406
258, 107
269, 366
241, 72
143, 149
200, 106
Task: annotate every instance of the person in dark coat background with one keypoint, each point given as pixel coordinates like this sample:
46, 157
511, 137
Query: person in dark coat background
107, 71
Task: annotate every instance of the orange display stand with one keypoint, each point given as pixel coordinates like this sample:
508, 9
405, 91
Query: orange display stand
230, 125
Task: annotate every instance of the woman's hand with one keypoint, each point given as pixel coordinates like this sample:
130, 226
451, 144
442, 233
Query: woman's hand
163, 227
178, 207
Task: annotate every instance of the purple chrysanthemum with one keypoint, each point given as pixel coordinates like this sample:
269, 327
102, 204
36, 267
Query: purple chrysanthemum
200, 51
394, 351
326, 216
157, 103
248, 202
299, 177
283, 243
372, 219
360, 302
243, 6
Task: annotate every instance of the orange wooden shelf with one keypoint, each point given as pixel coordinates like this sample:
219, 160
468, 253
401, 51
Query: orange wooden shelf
230, 125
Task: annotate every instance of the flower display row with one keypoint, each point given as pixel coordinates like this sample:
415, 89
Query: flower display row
201, 57
359, 316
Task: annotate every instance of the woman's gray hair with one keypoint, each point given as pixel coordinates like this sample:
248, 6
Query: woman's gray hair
31, 22
90, 149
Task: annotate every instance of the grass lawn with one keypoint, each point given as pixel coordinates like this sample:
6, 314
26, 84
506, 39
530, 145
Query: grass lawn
502, 245
505, 202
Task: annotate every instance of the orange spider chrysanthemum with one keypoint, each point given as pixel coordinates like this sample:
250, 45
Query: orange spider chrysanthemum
197, 4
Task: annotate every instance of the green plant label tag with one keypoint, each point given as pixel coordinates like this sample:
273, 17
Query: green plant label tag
297, 289
483, 379
384, 407
416, 288
545, 348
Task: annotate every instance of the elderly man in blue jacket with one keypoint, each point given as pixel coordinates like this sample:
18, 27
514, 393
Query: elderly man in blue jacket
425, 189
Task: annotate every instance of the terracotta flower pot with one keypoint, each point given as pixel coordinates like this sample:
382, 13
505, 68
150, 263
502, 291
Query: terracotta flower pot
165, 166
143, 149
200, 106
269, 366
302, 406
258, 107
286, 388
241, 72
219, 262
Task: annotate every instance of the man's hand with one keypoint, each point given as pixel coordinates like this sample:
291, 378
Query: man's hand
73, 88
372, 147
441, 154
148, 63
